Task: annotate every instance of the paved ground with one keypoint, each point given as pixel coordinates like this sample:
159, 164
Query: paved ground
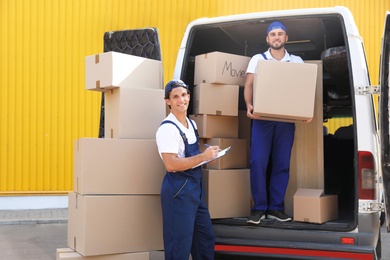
36, 234
31, 242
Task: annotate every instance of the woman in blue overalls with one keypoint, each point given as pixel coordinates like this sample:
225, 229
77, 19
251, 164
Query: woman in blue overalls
187, 227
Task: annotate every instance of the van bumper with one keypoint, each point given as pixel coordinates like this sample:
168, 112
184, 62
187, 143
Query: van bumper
292, 241
230, 249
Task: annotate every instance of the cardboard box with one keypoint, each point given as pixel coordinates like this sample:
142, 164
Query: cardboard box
117, 166
63, 250
228, 192
216, 126
100, 225
236, 158
69, 254
222, 68
311, 205
284, 91
110, 70
133, 112
216, 99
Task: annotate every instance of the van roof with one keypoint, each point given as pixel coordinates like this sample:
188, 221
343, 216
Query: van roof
262, 19
270, 15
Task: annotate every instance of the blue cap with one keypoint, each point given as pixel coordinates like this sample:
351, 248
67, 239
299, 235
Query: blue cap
174, 84
276, 25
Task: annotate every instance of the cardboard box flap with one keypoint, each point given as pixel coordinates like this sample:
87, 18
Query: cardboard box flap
310, 205
314, 193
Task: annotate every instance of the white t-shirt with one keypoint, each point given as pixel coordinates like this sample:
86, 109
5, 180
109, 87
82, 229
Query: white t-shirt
255, 59
168, 137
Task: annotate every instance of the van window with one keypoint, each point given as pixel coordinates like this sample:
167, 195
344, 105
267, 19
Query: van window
311, 38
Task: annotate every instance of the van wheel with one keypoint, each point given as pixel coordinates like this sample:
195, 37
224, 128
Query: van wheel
378, 248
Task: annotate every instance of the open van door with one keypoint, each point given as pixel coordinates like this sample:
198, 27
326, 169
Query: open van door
384, 114
144, 42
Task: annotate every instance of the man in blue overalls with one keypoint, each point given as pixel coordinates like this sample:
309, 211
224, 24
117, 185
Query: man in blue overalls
187, 227
269, 139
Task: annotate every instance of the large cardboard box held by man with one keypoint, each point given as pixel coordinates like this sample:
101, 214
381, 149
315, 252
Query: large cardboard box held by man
110, 70
117, 166
221, 68
311, 205
114, 224
284, 91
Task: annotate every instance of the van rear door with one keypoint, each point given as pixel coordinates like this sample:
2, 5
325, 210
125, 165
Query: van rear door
384, 114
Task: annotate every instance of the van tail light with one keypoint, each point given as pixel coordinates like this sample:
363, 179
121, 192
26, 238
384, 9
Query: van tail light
348, 240
366, 176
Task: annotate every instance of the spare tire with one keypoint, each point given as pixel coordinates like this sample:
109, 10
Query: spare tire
335, 61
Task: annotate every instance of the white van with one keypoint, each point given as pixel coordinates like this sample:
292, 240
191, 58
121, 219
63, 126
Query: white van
356, 164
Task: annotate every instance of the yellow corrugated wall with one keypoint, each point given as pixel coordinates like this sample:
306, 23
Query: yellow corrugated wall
43, 104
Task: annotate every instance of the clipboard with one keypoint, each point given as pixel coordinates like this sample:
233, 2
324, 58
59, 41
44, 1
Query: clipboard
220, 154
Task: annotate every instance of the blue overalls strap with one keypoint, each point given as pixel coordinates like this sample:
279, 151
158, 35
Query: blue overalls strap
183, 135
189, 149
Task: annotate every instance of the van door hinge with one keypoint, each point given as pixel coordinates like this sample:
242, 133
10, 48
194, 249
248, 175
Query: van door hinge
364, 90
368, 206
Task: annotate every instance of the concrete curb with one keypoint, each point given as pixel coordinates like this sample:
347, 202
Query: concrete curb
34, 216
32, 221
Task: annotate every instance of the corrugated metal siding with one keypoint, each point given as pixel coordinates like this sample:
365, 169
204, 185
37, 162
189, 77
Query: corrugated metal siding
44, 106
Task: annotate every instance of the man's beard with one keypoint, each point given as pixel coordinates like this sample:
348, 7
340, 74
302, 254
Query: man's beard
278, 47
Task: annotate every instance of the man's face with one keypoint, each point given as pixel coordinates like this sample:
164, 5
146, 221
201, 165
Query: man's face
179, 99
276, 39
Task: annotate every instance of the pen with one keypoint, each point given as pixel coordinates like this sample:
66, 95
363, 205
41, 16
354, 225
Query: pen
219, 149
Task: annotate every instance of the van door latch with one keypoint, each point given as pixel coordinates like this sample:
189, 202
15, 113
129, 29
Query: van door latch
378, 206
364, 90
371, 206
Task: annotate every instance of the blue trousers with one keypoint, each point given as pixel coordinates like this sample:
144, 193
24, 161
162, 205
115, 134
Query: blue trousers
270, 140
187, 225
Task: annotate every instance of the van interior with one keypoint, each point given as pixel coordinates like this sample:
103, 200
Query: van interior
312, 38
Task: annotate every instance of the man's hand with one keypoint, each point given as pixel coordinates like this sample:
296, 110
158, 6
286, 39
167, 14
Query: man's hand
249, 112
211, 152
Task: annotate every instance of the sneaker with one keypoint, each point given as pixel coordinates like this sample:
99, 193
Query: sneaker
278, 215
256, 216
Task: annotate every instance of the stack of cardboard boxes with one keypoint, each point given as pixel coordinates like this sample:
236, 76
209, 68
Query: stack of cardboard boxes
114, 211
283, 91
217, 79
